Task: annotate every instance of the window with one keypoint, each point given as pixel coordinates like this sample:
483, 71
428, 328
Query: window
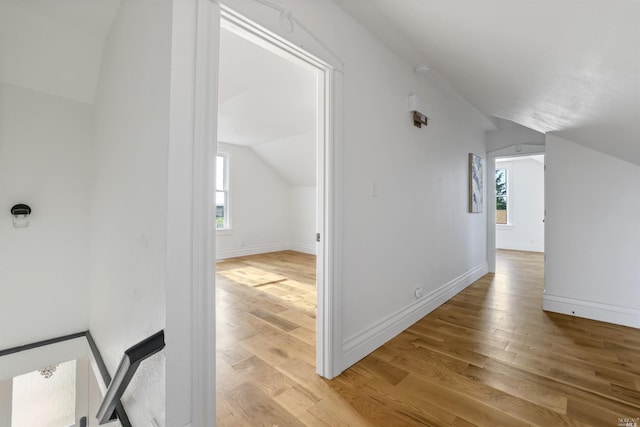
502, 196
222, 191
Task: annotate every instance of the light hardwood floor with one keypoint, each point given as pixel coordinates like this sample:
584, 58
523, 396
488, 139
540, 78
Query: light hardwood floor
488, 357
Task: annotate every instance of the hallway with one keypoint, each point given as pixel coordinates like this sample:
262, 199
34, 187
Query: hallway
489, 356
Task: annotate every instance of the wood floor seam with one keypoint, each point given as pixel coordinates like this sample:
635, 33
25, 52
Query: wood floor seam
489, 356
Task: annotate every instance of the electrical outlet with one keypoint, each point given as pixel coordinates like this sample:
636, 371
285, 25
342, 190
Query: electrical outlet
419, 292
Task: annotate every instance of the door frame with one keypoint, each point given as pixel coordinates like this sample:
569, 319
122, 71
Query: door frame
193, 164
318, 57
515, 150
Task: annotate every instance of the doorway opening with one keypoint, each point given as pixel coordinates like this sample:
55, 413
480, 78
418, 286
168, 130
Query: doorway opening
520, 203
519, 206
273, 198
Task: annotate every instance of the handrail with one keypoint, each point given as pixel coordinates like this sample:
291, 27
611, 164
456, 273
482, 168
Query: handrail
128, 365
42, 343
106, 379
119, 410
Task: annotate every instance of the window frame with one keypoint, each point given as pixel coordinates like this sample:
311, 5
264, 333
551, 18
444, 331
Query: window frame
226, 228
508, 182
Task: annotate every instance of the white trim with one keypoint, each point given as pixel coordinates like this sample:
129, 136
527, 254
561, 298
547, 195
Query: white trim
227, 226
516, 246
329, 313
261, 15
252, 250
508, 168
305, 249
518, 150
203, 318
264, 249
592, 310
491, 214
504, 226
362, 344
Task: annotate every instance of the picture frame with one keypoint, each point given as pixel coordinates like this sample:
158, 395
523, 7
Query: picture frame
476, 184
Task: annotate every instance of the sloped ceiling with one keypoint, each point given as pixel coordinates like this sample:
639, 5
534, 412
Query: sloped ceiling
54, 46
551, 65
268, 103
91, 16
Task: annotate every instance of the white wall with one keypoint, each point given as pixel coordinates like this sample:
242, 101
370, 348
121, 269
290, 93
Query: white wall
259, 206
47, 55
44, 152
6, 398
94, 396
592, 230
525, 232
303, 219
417, 231
129, 203
293, 158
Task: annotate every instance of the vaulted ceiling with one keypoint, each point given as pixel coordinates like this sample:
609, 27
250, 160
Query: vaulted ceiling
269, 103
263, 97
571, 67
54, 47
564, 66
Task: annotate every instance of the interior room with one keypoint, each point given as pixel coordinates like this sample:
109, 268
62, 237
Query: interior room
141, 199
520, 203
265, 208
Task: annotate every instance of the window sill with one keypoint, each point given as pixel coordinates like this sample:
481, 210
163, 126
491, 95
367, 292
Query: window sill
224, 231
504, 226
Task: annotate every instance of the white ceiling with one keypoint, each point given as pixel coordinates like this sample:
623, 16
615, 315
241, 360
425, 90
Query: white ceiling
269, 103
263, 97
91, 16
571, 67
54, 46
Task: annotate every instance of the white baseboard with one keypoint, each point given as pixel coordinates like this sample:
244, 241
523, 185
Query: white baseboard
305, 249
251, 250
517, 246
362, 344
592, 310
263, 249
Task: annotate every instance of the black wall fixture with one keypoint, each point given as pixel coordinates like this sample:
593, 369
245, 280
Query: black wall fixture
20, 209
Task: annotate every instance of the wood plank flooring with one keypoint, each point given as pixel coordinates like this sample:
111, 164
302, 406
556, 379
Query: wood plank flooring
488, 357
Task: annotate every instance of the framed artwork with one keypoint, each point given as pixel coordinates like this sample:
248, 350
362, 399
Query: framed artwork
476, 187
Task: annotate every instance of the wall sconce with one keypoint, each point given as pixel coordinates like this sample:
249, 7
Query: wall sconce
421, 112
20, 214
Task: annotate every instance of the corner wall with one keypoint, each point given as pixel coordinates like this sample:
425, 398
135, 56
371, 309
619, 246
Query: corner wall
45, 142
129, 200
303, 219
592, 230
259, 206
